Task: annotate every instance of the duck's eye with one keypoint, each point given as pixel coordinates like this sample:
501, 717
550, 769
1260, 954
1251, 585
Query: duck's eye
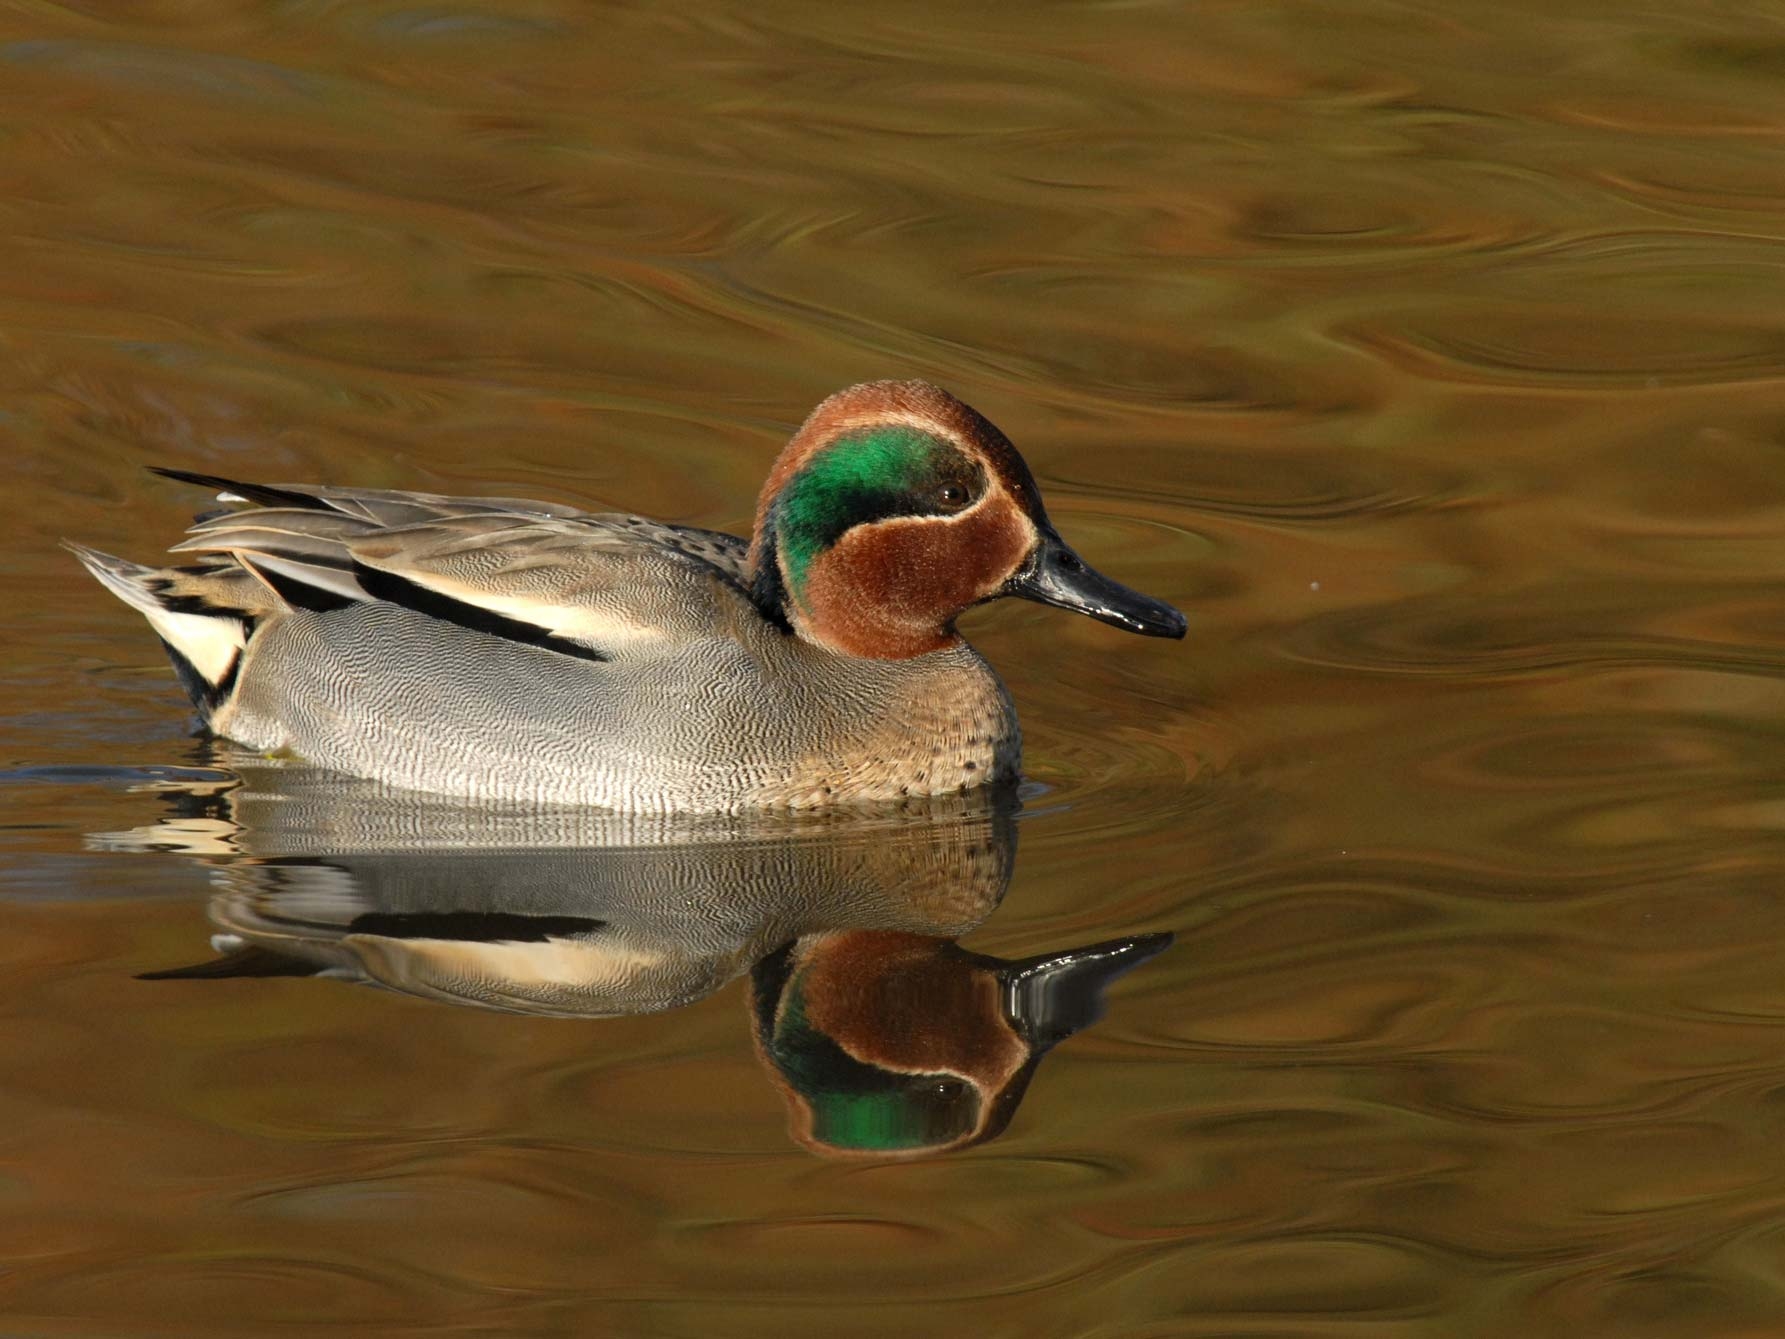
952, 495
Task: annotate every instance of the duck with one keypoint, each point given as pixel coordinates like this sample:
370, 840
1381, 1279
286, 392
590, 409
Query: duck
500, 649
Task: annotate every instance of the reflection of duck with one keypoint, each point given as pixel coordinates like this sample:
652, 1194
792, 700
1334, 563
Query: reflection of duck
567, 911
503, 649
889, 1042
886, 1035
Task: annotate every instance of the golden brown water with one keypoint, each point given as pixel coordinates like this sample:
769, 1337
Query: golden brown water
1433, 357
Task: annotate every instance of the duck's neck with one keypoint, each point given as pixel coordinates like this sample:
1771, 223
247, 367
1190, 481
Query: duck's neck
768, 590
839, 605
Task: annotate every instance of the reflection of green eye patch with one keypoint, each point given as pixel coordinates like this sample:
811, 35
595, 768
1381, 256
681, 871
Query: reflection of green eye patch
871, 474
863, 1106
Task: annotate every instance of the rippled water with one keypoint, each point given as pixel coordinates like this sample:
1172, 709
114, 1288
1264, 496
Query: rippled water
1432, 357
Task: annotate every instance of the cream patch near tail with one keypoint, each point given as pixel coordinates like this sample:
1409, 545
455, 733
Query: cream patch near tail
209, 639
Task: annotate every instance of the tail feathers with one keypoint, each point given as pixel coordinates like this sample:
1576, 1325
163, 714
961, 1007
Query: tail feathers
203, 615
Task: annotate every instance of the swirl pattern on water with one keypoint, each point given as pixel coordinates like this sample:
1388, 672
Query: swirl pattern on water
1429, 358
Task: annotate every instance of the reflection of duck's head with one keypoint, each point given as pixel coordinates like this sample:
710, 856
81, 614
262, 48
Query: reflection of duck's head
885, 1035
891, 1043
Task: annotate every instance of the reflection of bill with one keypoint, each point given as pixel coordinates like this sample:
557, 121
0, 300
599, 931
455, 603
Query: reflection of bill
884, 1034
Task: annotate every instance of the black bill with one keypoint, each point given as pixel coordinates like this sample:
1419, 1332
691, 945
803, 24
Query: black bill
1056, 575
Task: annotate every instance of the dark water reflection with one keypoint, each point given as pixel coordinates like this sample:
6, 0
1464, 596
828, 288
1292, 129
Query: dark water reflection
883, 1034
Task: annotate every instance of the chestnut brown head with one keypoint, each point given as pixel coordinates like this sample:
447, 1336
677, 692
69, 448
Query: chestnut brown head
894, 508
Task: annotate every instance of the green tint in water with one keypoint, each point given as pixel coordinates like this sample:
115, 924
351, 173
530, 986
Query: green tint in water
1429, 356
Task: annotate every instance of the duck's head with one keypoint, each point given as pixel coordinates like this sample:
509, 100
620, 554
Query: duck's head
894, 508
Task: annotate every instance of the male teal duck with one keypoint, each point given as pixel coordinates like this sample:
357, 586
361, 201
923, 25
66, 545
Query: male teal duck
493, 648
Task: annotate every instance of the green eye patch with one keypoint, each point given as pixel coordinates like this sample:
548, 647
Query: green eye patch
871, 474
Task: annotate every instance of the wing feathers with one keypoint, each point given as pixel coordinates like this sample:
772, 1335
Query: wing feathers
381, 585
268, 495
318, 586
534, 572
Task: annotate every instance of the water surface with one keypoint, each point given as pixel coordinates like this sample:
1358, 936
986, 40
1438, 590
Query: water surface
1432, 357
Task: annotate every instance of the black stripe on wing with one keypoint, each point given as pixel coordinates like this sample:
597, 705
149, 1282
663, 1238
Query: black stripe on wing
265, 494
297, 593
388, 586
473, 927
250, 961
